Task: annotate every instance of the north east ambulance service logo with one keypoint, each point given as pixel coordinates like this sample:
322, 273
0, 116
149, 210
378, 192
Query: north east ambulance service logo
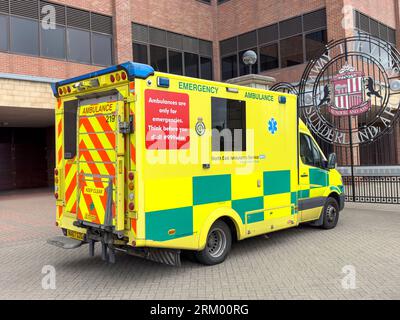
350, 92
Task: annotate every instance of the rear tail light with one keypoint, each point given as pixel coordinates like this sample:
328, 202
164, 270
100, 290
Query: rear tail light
60, 91
131, 206
56, 196
56, 172
131, 176
112, 78
69, 89
118, 77
131, 186
123, 76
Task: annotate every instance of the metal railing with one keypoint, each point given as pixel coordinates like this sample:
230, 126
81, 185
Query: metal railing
372, 189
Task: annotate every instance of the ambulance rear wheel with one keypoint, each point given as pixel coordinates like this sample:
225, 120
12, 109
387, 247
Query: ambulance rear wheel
218, 244
331, 214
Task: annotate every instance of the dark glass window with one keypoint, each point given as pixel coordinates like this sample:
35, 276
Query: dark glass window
243, 69
206, 68
269, 58
53, 42
229, 67
175, 62
191, 65
292, 51
4, 32
315, 43
70, 111
78, 45
158, 58
102, 49
309, 153
24, 36
140, 53
229, 124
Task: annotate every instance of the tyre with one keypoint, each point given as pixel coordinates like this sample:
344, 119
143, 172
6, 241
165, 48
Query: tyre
218, 244
330, 214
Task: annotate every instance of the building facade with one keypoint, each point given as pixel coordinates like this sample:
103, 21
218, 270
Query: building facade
45, 41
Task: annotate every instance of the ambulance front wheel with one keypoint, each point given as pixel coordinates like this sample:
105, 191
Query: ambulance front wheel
218, 244
331, 214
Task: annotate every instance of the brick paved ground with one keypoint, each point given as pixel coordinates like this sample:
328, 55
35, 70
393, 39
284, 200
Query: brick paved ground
302, 263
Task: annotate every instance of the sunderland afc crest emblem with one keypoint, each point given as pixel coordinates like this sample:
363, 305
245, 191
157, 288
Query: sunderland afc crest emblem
349, 96
350, 92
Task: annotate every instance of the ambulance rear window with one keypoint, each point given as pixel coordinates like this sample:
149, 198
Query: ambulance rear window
228, 124
70, 110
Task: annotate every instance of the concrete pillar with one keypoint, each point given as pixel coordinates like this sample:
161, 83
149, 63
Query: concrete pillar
254, 81
122, 31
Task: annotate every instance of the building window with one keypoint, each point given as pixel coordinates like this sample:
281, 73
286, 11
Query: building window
24, 36
229, 67
365, 24
228, 124
78, 45
269, 58
172, 52
206, 68
4, 34
140, 53
158, 58
102, 46
52, 43
175, 62
277, 45
315, 43
191, 65
79, 36
292, 51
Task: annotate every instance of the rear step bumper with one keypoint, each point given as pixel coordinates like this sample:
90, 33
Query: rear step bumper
166, 256
64, 242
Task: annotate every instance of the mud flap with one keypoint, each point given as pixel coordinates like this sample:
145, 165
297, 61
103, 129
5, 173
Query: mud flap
64, 242
166, 256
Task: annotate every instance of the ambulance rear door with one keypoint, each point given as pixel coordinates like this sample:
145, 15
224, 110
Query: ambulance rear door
100, 165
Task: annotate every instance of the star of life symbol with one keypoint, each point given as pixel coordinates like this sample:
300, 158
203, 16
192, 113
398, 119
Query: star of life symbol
348, 89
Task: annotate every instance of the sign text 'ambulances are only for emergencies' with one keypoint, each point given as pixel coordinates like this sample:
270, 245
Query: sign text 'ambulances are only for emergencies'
167, 120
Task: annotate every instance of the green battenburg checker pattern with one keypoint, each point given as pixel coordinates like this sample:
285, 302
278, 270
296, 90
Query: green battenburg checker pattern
218, 188
251, 204
159, 222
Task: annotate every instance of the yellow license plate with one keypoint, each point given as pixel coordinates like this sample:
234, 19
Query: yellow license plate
75, 235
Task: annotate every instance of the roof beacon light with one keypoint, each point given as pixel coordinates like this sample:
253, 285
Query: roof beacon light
163, 82
233, 90
282, 99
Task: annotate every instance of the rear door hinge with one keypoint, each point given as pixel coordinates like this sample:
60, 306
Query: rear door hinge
126, 127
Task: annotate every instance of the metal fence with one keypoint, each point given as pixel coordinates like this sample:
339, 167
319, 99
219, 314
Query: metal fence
372, 189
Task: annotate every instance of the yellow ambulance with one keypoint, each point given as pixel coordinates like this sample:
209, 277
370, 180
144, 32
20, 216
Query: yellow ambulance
153, 164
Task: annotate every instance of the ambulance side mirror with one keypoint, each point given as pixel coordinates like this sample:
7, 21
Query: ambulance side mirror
332, 161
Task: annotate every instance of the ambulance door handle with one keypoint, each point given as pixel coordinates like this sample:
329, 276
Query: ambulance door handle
304, 175
206, 166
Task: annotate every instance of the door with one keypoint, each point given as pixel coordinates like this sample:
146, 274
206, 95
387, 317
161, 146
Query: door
313, 179
100, 163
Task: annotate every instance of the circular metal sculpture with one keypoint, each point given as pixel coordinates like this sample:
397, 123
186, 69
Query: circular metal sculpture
350, 93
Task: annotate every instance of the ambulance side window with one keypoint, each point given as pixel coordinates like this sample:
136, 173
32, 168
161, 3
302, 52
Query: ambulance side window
70, 111
228, 124
309, 152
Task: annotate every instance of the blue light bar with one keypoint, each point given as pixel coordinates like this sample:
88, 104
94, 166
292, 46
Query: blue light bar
133, 69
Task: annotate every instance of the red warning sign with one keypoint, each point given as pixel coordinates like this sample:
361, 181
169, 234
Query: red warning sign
167, 120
